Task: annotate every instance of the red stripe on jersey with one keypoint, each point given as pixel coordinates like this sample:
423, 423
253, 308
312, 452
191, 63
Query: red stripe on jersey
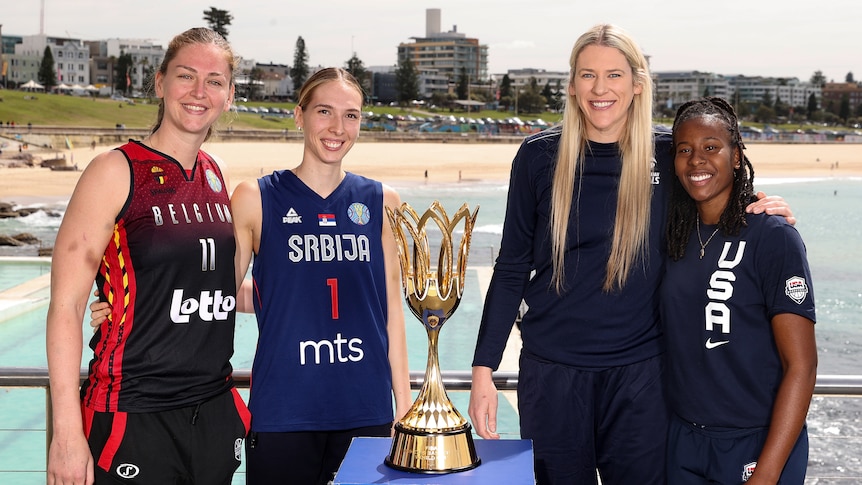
118, 430
120, 289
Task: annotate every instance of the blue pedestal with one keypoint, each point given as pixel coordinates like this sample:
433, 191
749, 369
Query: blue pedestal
503, 461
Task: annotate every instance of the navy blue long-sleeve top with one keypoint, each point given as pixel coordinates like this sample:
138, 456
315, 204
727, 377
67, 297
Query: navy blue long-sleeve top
583, 326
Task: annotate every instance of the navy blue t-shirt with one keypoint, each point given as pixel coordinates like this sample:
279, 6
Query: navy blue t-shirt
723, 366
584, 326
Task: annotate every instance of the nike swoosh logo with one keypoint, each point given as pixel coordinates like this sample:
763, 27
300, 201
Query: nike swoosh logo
711, 345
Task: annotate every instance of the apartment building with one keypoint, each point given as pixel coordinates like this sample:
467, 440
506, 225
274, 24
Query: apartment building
440, 57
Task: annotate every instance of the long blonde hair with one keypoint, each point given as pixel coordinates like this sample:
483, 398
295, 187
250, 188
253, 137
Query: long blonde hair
631, 224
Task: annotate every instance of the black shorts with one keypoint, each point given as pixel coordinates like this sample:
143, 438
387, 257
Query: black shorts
306, 457
195, 444
698, 455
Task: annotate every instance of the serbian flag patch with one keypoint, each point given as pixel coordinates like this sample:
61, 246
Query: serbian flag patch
326, 220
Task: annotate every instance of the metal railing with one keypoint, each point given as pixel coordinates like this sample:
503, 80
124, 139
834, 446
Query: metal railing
35, 377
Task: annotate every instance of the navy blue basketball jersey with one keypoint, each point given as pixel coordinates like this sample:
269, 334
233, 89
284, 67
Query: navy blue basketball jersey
723, 367
168, 273
320, 298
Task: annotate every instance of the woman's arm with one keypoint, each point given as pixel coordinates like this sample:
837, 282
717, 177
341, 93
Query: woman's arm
395, 320
84, 233
794, 338
247, 211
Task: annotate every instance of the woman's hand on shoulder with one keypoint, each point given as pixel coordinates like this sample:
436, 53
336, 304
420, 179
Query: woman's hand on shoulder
774, 205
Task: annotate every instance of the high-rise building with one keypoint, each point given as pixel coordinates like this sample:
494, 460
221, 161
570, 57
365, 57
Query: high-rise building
441, 57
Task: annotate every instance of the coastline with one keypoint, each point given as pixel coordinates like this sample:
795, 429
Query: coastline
400, 163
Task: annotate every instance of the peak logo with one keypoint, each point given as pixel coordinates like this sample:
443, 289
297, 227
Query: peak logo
209, 307
291, 217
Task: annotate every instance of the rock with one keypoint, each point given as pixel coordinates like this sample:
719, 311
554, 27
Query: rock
26, 211
26, 238
9, 241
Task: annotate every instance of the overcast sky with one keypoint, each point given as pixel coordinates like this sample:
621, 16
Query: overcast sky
752, 37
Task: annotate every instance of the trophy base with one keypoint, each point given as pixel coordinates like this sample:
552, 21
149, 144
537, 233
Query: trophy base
419, 451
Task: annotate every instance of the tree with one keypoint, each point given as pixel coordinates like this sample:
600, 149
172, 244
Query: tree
844, 109
123, 78
506, 86
818, 79
849, 77
764, 114
812, 106
767, 100
299, 73
218, 20
355, 66
406, 80
462, 90
47, 75
112, 61
530, 100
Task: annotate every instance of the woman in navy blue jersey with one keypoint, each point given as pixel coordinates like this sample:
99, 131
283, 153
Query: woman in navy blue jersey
737, 307
332, 349
582, 246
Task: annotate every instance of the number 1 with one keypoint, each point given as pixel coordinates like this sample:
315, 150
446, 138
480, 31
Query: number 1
332, 283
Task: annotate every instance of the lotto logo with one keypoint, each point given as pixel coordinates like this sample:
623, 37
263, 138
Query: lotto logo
209, 307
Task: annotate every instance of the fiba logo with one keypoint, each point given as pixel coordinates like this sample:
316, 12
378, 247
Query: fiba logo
128, 470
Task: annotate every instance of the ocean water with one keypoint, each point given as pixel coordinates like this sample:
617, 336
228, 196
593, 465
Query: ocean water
829, 221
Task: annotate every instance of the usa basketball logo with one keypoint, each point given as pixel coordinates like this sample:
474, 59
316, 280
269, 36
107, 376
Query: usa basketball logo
158, 175
796, 289
748, 471
213, 180
358, 213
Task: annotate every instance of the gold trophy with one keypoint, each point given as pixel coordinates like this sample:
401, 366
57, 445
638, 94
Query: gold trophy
432, 437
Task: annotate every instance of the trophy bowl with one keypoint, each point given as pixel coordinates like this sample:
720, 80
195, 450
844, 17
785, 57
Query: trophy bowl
433, 437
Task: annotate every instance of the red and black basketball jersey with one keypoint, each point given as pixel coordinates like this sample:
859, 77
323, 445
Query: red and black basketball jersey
168, 273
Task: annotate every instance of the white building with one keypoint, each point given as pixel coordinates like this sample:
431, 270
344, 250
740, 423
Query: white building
71, 59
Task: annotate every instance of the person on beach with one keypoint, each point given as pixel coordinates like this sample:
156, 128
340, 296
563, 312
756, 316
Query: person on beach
332, 347
582, 245
152, 220
737, 307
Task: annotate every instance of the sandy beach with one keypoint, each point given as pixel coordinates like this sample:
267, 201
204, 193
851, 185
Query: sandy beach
407, 162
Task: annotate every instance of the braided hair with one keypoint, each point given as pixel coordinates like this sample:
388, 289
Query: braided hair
682, 215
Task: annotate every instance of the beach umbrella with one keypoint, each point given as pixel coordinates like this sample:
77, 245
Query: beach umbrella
31, 85
90, 87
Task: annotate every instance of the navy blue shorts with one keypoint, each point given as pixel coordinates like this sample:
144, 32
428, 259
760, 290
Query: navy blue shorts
613, 421
194, 444
707, 455
306, 457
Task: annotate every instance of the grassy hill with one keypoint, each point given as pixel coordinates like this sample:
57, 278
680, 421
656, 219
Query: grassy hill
63, 110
